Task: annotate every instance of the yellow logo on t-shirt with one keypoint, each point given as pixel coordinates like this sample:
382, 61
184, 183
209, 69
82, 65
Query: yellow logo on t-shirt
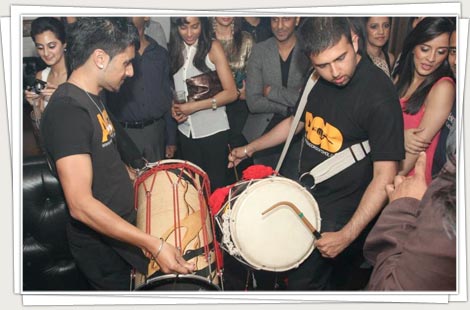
323, 134
106, 126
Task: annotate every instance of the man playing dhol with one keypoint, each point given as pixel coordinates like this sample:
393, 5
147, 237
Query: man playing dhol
353, 101
81, 146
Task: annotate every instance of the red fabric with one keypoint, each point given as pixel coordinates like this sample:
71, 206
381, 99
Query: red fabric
218, 198
257, 172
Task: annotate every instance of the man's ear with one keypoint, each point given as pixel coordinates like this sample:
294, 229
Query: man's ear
355, 41
100, 58
297, 21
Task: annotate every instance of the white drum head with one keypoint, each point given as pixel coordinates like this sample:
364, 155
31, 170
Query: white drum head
278, 240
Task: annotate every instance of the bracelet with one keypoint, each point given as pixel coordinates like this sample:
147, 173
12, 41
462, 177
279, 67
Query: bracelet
246, 152
159, 249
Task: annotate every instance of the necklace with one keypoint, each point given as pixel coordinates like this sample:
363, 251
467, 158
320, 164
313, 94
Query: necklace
107, 121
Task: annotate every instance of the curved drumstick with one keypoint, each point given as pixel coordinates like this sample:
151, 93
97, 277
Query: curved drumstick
298, 212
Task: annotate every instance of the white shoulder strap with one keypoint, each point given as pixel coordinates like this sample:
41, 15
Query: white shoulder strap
312, 80
335, 164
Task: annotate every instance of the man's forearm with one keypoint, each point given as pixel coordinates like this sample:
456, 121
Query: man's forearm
373, 200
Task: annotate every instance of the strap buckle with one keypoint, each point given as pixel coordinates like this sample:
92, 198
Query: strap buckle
307, 183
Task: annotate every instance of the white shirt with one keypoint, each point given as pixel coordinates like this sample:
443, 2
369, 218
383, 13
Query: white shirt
44, 75
202, 123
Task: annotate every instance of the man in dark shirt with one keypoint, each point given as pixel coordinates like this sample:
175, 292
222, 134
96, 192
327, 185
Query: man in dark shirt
353, 101
258, 27
276, 71
80, 142
143, 103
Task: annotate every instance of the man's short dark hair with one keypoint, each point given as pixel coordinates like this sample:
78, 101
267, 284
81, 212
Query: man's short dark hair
320, 33
111, 34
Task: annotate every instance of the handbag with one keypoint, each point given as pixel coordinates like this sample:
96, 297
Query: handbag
203, 86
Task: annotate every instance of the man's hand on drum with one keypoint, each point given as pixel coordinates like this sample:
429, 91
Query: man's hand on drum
238, 154
168, 258
332, 244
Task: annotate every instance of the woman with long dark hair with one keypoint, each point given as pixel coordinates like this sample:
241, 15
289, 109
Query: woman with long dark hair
237, 45
203, 125
426, 89
48, 34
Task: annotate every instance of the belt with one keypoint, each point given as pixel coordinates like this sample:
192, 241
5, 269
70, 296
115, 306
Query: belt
137, 124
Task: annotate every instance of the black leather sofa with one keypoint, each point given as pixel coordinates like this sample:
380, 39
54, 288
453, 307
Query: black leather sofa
47, 261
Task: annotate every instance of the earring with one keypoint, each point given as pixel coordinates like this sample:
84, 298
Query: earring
100, 66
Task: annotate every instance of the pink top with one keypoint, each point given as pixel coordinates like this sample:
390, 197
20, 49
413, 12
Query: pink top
413, 121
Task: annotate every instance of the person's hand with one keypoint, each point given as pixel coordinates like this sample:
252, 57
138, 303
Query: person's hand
168, 258
242, 91
177, 114
266, 90
132, 173
413, 142
331, 244
237, 155
413, 186
31, 97
170, 151
47, 92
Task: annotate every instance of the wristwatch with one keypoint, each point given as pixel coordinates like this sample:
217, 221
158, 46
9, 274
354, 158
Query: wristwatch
214, 104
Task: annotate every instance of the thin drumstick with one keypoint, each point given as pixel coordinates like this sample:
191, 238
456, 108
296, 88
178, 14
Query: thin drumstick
234, 167
298, 212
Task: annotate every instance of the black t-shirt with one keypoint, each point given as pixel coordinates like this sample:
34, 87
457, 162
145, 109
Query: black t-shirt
72, 124
335, 118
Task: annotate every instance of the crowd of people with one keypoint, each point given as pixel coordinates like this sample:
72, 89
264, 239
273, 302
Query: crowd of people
108, 77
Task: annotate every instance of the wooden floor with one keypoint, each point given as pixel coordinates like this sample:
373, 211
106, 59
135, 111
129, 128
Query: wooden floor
30, 140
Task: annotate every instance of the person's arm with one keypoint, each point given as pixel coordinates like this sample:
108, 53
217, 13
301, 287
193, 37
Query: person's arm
274, 137
333, 243
256, 100
75, 173
170, 135
226, 96
408, 246
438, 106
413, 142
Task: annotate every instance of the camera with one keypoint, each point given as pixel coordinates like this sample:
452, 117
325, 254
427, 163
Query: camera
37, 86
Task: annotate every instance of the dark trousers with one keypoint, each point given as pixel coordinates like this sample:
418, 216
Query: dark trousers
341, 273
104, 268
150, 140
210, 154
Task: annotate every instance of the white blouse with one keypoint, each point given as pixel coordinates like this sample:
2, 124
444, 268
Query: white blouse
202, 123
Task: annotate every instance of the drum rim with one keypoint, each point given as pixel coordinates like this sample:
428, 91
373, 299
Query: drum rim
180, 276
234, 210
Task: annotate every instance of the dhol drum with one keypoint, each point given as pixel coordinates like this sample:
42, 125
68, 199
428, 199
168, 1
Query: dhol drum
269, 224
171, 202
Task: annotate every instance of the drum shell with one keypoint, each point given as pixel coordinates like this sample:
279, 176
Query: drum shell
171, 203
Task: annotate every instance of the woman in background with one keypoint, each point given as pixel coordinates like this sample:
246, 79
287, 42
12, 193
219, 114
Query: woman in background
377, 33
202, 125
426, 89
237, 45
48, 34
